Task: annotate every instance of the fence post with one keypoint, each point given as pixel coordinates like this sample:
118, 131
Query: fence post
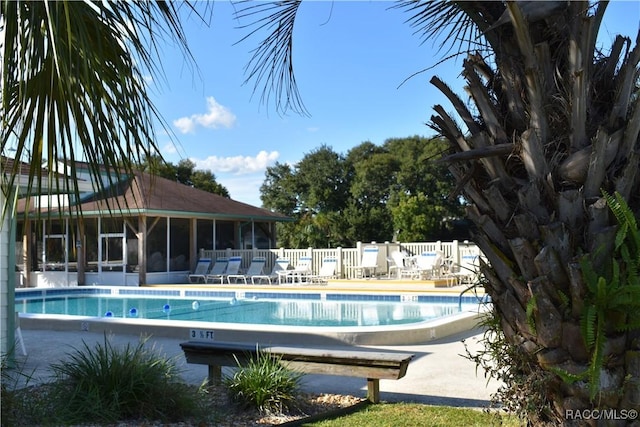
340, 262
310, 255
455, 252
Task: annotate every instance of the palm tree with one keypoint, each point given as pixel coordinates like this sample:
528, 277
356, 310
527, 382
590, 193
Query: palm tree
74, 83
74, 89
553, 122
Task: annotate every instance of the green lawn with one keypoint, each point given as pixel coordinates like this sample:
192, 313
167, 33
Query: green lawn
418, 415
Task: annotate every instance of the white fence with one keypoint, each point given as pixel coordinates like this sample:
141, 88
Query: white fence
348, 257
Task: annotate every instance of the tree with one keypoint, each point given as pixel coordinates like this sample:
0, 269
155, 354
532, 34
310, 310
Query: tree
205, 180
185, 173
279, 190
323, 180
340, 200
554, 122
414, 215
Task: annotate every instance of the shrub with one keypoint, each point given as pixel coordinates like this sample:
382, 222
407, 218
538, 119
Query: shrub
524, 383
8, 395
15, 406
107, 384
264, 383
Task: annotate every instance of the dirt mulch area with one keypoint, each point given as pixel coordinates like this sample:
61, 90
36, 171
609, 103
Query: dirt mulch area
223, 413
308, 405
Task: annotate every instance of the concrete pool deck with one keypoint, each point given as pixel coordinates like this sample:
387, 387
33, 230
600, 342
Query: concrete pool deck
438, 374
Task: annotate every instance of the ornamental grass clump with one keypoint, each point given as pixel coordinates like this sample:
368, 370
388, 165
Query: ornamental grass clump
14, 381
265, 384
108, 384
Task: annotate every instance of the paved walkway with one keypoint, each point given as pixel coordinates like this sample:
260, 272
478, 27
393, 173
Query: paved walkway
438, 375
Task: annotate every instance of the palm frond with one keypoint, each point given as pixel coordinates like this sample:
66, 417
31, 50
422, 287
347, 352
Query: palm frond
74, 87
271, 63
457, 24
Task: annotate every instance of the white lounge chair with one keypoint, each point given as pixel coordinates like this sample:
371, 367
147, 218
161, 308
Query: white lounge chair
302, 270
327, 271
368, 263
428, 264
255, 269
201, 270
233, 267
402, 266
217, 271
281, 264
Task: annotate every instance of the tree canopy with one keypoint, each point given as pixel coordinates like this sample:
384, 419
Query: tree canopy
368, 194
184, 172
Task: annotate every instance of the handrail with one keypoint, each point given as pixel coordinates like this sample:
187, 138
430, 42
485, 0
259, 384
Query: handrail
468, 288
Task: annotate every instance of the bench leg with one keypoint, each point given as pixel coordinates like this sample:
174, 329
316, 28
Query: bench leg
373, 390
215, 374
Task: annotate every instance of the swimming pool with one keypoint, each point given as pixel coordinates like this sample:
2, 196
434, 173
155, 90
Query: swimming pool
342, 316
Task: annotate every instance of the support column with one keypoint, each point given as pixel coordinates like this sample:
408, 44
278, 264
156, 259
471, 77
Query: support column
142, 250
7, 283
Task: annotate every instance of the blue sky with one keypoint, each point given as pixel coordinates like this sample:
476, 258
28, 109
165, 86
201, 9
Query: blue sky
351, 59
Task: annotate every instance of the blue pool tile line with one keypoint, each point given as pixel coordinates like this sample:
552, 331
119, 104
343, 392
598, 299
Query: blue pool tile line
42, 293
278, 295
150, 292
363, 297
210, 294
177, 293
29, 294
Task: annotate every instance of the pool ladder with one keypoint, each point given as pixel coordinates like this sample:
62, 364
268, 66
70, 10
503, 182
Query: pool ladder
484, 299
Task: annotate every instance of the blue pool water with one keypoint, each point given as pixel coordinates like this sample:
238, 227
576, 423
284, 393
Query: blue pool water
266, 308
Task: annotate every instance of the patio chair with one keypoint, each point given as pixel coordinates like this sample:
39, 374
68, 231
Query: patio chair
281, 264
467, 270
428, 264
217, 271
327, 271
201, 270
402, 265
368, 263
255, 268
302, 269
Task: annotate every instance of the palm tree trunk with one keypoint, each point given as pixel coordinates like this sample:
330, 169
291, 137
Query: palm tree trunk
555, 125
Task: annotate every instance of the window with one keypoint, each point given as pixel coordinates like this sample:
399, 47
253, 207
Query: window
204, 238
179, 237
157, 245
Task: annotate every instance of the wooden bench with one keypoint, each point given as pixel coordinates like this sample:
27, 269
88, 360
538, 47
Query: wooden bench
370, 364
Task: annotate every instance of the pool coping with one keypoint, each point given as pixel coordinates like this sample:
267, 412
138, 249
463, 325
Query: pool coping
408, 334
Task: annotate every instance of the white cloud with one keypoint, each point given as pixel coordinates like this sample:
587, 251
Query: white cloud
244, 189
238, 165
217, 116
169, 148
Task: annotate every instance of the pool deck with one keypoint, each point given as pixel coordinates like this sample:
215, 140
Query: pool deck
438, 374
